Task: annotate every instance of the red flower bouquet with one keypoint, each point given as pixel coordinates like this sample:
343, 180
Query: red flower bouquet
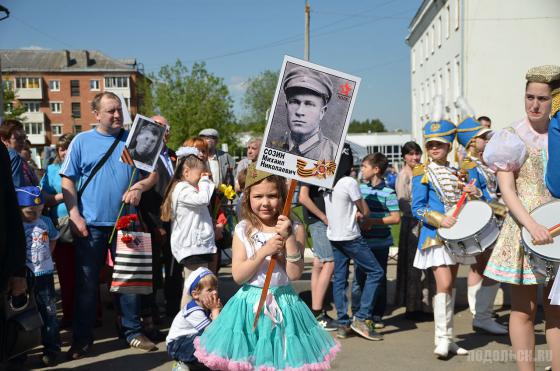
127, 223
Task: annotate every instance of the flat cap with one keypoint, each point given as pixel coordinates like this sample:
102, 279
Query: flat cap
546, 74
209, 133
317, 82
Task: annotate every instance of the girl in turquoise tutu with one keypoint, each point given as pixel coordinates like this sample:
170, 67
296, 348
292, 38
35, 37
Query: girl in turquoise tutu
287, 335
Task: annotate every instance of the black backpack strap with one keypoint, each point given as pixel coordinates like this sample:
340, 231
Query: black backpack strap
101, 163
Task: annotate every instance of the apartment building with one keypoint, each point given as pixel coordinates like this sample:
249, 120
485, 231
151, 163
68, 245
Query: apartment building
56, 88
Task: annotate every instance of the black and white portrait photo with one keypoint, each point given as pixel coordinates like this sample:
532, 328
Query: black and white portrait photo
144, 142
312, 109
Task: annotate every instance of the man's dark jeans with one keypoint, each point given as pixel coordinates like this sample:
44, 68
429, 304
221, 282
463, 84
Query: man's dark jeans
91, 253
363, 257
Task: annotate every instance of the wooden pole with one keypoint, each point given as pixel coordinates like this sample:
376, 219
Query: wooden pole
272, 264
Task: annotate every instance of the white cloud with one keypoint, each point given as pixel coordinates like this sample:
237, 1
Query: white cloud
237, 84
34, 47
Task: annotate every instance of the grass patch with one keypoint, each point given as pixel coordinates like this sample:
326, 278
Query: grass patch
395, 232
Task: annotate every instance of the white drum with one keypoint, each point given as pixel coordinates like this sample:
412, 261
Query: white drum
543, 257
475, 231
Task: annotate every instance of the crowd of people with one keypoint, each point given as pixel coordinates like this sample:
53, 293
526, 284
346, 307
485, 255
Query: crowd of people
66, 217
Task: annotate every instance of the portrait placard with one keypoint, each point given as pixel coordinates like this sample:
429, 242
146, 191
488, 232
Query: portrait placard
305, 133
144, 142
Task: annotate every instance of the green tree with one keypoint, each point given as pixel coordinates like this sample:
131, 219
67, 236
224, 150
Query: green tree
366, 126
12, 111
194, 100
146, 105
258, 100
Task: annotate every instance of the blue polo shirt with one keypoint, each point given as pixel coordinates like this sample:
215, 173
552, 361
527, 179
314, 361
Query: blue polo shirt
381, 201
101, 200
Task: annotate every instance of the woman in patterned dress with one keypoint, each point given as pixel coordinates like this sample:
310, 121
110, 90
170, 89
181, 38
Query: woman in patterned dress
519, 155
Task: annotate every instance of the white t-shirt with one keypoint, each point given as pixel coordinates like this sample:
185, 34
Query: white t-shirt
341, 210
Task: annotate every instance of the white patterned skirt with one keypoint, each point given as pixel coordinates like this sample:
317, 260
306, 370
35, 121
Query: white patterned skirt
439, 255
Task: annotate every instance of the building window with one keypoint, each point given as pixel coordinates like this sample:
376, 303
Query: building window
448, 82
8, 85
56, 129
28, 83
421, 52
56, 107
439, 31
427, 45
116, 82
447, 22
54, 85
9, 107
93, 84
457, 79
457, 13
77, 129
432, 39
32, 106
75, 88
33, 128
76, 112
440, 83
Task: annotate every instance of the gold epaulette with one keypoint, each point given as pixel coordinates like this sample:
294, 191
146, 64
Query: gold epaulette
467, 164
419, 169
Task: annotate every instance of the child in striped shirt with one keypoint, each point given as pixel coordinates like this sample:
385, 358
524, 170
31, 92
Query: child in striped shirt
376, 228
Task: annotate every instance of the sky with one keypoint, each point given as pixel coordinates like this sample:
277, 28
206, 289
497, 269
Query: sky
236, 39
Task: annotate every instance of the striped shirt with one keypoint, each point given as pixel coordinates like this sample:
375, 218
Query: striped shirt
381, 201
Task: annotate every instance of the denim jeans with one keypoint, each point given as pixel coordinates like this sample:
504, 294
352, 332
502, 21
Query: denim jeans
45, 297
91, 253
380, 249
363, 257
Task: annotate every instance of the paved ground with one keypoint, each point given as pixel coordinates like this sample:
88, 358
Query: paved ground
406, 345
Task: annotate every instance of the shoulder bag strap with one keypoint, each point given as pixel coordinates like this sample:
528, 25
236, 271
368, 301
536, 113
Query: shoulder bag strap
101, 162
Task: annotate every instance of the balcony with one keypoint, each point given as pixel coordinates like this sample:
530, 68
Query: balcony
29, 93
34, 125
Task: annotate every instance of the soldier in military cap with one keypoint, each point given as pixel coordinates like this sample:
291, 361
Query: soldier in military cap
308, 93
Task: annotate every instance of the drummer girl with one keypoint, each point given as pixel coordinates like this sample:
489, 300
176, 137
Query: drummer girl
519, 155
481, 292
435, 190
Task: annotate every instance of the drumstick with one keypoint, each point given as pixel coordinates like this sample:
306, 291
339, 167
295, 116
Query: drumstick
462, 201
270, 270
554, 231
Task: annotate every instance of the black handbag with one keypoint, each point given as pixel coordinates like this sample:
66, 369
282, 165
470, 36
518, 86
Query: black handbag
20, 329
65, 232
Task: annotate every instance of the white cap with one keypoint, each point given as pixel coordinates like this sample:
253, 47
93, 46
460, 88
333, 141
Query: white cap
195, 277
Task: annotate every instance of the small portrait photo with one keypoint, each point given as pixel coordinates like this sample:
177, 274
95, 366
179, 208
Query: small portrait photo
145, 142
305, 133
310, 113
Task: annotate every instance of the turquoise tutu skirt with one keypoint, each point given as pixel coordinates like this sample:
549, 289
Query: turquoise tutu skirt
287, 336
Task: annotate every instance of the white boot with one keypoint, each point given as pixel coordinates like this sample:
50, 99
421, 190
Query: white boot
471, 296
450, 311
441, 339
483, 320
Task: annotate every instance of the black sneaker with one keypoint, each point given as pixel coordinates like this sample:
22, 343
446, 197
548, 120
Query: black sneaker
78, 351
342, 331
143, 343
326, 322
377, 322
49, 359
365, 330
154, 334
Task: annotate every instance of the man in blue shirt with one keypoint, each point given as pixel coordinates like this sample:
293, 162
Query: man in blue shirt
93, 216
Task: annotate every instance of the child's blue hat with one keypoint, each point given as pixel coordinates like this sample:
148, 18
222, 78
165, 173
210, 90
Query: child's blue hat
468, 129
439, 131
29, 196
195, 277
